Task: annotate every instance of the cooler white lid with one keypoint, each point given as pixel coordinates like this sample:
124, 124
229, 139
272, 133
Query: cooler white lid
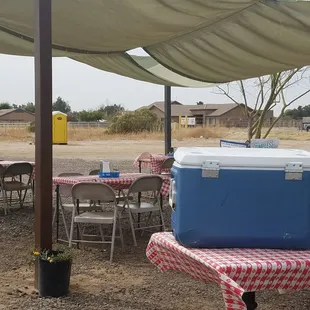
241, 157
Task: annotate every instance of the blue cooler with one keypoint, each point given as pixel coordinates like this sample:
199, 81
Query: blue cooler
241, 197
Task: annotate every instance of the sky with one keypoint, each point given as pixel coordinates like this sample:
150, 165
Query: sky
85, 87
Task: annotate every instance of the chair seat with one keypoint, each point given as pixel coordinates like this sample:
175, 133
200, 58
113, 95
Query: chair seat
141, 207
95, 218
123, 198
69, 206
15, 186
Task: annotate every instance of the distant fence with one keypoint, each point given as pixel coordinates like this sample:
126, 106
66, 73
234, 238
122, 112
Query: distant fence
88, 125
231, 123
70, 125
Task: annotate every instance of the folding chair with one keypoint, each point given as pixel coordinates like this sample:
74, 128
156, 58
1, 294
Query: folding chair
67, 207
152, 183
104, 194
12, 181
166, 166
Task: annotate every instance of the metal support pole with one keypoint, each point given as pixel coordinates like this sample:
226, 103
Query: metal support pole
43, 126
167, 119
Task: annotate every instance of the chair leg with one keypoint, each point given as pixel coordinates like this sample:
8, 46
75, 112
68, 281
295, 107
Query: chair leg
101, 234
147, 222
121, 233
5, 203
71, 231
24, 197
113, 241
64, 220
54, 217
162, 219
132, 228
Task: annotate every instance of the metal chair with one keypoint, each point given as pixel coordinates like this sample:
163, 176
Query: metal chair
66, 207
166, 166
152, 183
12, 181
95, 192
94, 172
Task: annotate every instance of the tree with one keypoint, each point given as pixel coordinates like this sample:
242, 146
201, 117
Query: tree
5, 105
200, 103
30, 107
61, 105
90, 116
111, 110
136, 121
298, 113
269, 91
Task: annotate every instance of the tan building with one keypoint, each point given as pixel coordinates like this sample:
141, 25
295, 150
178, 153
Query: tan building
16, 116
226, 114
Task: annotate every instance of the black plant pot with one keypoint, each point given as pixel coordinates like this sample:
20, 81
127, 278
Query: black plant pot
54, 280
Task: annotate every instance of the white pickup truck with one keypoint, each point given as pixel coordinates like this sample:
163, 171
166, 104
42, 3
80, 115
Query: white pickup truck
306, 123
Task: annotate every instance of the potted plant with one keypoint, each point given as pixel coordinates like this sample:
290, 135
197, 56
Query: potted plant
54, 272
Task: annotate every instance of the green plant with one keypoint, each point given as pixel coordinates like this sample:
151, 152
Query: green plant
53, 256
134, 122
31, 127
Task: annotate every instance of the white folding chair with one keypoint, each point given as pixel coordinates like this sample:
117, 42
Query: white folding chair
65, 190
108, 216
12, 181
152, 183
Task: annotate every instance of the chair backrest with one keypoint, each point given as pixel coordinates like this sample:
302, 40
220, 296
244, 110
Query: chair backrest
70, 174
18, 169
93, 191
94, 172
167, 164
150, 183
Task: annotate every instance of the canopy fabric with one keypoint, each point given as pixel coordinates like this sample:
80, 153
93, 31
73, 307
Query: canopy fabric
192, 42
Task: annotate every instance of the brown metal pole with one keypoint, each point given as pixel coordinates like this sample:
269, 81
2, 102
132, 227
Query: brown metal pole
43, 126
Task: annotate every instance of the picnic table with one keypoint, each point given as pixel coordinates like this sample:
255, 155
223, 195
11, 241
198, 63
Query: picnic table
123, 182
152, 161
238, 272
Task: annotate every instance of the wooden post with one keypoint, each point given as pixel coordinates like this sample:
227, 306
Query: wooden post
43, 126
167, 119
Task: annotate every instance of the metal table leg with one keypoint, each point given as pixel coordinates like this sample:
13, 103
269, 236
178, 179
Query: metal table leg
249, 300
57, 212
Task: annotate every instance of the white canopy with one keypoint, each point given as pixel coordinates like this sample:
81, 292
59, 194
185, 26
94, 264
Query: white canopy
191, 41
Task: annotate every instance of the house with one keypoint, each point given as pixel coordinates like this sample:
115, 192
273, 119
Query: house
226, 114
16, 116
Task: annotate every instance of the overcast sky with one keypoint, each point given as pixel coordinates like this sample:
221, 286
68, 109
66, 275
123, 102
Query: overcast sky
85, 87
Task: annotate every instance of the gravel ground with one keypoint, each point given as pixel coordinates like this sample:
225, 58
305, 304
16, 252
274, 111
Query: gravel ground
131, 282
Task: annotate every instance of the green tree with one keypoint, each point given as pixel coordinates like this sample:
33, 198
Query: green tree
111, 110
5, 105
137, 121
298, 113
61, 105
90, 115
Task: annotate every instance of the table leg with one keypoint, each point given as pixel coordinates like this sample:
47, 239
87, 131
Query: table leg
249, 300
161, 206
140, 166
57, 212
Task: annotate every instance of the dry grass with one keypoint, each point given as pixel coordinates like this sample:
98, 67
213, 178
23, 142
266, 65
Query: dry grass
99, 134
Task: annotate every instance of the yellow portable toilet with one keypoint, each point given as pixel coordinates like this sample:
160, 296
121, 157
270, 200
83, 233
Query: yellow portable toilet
60, 135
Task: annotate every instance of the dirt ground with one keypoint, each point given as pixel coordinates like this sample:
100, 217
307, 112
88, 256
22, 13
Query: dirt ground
131, 282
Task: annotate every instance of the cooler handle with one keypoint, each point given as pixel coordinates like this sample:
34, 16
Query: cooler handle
172, 194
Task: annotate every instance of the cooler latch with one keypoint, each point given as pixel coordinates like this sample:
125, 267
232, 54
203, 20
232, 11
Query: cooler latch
293, 171
211, 169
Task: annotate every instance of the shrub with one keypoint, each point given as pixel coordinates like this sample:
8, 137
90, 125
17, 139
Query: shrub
134, 122
31, 127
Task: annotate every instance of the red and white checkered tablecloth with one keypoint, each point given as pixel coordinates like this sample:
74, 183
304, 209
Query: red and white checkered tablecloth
236, 270
123, 182
152, 161
6, 163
